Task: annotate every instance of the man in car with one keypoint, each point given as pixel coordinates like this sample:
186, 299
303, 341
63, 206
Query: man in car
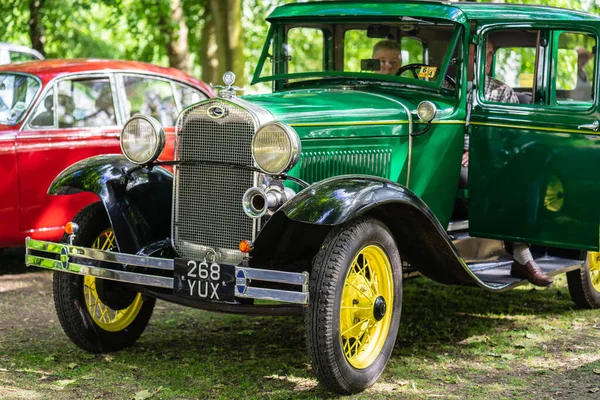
388, 54
523, 266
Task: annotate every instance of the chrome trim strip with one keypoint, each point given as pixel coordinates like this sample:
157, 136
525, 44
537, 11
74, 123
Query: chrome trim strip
101, 255
274, 294
458, 226
292, 278
121, 276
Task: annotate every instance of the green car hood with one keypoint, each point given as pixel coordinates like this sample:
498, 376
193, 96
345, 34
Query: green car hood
336, 107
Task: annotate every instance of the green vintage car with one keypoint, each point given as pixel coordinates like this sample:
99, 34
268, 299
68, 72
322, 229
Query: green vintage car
322, 196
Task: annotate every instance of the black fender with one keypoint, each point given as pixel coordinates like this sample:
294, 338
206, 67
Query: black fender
421, 239
137, 200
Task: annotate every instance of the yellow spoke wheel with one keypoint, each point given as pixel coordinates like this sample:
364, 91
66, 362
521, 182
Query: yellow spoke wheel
594, 261
104, 316
353, 314
364, 316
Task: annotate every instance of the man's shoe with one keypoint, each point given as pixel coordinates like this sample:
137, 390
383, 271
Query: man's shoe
532, 272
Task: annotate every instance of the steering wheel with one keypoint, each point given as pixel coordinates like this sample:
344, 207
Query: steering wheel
414, 68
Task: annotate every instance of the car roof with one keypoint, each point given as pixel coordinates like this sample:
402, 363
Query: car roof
459, 12
49, 69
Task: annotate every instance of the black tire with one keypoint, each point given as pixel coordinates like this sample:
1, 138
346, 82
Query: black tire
71, 307
581, 283
330, 273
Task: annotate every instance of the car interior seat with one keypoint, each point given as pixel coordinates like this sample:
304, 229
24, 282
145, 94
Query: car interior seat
45, 118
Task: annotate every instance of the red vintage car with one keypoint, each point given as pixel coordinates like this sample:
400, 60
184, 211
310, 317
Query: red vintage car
56, 112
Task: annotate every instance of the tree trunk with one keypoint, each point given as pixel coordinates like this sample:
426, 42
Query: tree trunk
227, 17
208, 52
177, 31
36, 27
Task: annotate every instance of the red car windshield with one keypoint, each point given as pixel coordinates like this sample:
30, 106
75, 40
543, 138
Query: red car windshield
16, 94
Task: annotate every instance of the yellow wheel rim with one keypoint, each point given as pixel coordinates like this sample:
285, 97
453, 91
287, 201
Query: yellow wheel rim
364, 321
104, 316
594, 263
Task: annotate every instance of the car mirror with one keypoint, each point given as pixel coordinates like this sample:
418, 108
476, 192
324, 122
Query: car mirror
370, 64
378, 31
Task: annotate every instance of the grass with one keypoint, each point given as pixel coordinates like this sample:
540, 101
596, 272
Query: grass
454, 343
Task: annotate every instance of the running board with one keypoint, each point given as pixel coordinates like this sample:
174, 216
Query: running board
489, 264
497, 276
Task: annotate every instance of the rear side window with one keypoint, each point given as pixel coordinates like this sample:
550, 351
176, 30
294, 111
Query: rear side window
17, 56
574, 74
43, 116
152, 97
85, 103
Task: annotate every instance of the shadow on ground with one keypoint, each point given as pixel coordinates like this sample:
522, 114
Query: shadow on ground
454, 342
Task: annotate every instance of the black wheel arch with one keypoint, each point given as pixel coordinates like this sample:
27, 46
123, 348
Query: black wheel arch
138, 200
301, 225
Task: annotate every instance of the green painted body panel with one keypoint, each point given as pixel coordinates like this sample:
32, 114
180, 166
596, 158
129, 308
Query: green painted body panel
359, 132
458, 12
538, 178
534, 175
328, 107
367, 9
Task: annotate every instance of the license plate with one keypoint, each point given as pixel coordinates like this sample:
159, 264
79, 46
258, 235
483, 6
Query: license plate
202, 280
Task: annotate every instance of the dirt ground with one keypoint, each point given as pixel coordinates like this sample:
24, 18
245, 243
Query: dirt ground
448, 348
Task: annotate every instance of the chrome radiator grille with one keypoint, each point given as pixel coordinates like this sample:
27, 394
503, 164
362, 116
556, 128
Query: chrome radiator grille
208, 197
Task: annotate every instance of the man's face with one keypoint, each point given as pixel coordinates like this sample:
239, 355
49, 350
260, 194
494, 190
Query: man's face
389, 61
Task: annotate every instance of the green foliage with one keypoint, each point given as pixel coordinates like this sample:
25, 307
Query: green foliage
131, 29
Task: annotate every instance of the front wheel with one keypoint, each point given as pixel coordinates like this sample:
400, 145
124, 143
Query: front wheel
354, 312
584, 283
96, 314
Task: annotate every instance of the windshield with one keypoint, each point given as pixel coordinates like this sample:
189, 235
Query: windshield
16, 94
415, 51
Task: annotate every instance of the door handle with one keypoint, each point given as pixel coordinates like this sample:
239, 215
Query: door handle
593, 126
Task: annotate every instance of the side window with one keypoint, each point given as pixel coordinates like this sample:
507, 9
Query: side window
574, 74
85, 103
304, 51
43, 117
187, 95
510, 66
151, 97
515, 66
17, 56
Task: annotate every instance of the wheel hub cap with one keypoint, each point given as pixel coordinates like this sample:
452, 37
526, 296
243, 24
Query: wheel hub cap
379, 308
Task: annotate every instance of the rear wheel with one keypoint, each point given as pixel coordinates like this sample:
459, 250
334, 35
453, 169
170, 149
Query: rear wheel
99, 315
584, 283
354, 311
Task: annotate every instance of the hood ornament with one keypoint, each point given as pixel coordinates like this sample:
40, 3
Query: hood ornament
228, 91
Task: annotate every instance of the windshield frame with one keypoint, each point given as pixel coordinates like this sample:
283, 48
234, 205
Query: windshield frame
28, 107
276, 34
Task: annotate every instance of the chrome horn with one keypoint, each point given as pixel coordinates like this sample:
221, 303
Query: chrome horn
256, 201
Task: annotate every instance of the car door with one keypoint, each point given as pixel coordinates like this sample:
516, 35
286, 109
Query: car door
75, 118
160, 98
534, 166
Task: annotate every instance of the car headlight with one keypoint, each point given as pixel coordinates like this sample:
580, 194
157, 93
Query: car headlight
142, 139
276, 148
426, 111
